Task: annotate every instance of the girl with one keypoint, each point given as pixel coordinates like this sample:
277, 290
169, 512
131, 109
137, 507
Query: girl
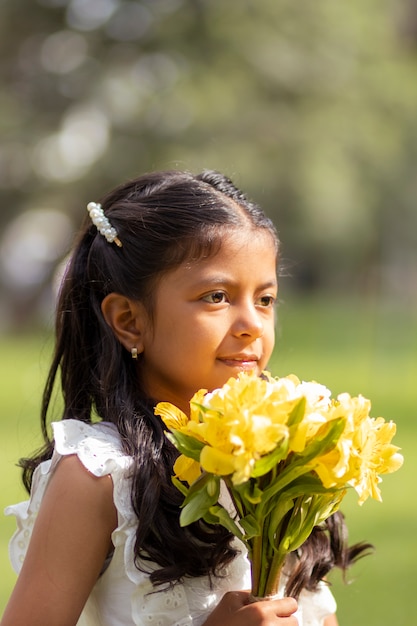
170, 288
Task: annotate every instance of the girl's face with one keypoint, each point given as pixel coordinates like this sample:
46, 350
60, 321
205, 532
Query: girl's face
213, 318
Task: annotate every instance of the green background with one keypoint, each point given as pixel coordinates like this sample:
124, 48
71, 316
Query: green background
357, 346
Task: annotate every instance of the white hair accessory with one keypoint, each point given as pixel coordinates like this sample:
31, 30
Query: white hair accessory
102, 223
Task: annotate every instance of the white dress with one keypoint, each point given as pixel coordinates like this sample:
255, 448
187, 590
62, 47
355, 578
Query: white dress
121, 596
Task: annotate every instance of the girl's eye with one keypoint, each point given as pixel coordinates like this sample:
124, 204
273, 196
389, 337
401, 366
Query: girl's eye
217, 297
266, 301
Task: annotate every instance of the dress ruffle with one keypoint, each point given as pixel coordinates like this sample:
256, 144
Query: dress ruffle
124, 595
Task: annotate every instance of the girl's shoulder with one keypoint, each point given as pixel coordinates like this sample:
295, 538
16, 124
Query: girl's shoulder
99, 448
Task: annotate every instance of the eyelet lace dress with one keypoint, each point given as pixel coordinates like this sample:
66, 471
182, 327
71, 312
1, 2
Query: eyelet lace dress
123, 595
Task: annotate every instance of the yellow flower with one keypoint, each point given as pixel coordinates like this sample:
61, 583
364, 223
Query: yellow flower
306, 430
217, 462
363, 451
332, 468
250, 417
372, 455
241, 422
187, 469
173, 417
287, 451
249, 394
317, 396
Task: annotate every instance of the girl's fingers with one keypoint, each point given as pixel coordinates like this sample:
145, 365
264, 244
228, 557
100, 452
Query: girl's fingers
284, 607
237, 609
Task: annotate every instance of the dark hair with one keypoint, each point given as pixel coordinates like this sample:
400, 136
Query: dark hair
163, 219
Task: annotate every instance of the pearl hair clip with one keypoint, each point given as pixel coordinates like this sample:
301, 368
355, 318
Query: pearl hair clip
102, 223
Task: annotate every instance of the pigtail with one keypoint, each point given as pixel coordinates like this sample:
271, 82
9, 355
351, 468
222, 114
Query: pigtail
84, 343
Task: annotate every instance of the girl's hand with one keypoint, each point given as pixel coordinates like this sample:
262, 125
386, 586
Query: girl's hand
236, 609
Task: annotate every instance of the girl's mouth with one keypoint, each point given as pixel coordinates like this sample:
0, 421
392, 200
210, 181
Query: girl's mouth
244, 362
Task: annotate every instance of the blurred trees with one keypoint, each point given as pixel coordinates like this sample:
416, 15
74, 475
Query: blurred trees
309, 106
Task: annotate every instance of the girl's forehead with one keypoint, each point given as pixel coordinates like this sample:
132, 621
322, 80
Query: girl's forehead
241, 236
235, 240
253, 251
239, 254
245, 241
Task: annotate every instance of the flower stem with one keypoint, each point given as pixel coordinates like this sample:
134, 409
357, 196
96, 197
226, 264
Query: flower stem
260, 557
256, 564
274, 574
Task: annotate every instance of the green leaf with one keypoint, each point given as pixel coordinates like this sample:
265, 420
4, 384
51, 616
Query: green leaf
276, 517
226, 520
251, 526
203, 493
188, 446
213, 486
204, 409
307, 511
209, 517
294, 470
264, 465
297, 412
208, 483
305, 517
301, 463
325, 439
180, 486
196, 507
249, 492
306, 485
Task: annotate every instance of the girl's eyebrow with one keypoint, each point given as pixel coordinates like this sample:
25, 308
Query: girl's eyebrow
228, 281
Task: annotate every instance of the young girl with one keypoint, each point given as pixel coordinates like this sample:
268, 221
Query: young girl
170, 288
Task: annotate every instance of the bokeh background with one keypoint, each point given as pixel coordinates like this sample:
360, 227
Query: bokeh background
310, 107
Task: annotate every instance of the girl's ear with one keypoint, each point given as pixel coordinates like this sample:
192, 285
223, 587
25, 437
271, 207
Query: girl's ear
127, 318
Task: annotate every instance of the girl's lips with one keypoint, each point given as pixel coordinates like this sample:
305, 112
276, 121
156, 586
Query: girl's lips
245, 362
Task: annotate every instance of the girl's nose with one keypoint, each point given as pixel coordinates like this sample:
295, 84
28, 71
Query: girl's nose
248, 322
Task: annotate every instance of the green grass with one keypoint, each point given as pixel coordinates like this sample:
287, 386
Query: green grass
23, 367
353, 346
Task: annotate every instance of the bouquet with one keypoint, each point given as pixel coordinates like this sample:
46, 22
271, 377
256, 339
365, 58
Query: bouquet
286, 451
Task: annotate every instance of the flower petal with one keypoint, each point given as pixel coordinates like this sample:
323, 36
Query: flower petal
172, 416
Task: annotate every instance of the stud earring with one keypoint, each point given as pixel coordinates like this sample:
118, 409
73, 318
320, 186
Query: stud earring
134, 353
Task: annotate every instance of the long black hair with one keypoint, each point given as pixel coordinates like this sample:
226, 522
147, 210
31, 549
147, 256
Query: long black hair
163, 219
